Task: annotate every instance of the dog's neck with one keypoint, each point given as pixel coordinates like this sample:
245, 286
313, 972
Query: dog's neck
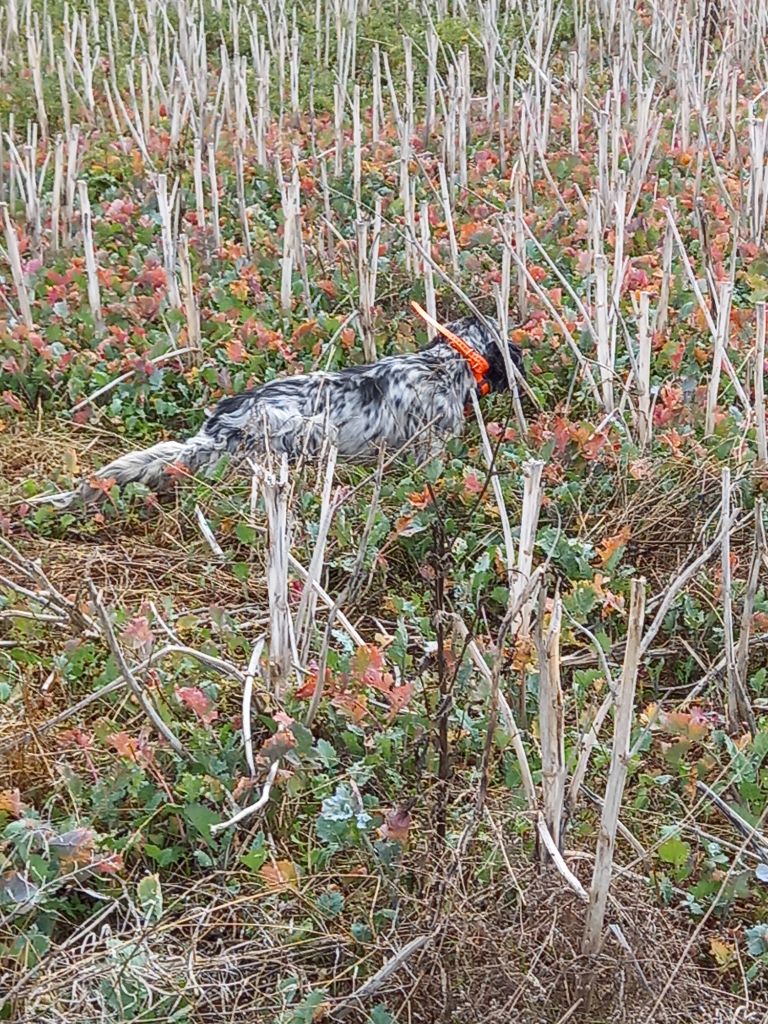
477, 363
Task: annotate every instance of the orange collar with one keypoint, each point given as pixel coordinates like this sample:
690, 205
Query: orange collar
477, 363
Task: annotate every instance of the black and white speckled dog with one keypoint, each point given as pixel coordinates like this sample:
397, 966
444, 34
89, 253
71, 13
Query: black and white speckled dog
415, 401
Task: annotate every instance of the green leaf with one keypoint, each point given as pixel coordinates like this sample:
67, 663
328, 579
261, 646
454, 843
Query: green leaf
201, 818
254, 859
150, 896
162, 855
245, 534
330, 903
757, 939
327, 753
257, 855
305, 1011
380, 1015
675, 852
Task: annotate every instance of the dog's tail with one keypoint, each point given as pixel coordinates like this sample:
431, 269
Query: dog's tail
152, 467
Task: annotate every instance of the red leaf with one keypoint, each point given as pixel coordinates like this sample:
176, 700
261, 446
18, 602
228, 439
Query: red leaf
138, 633
399, 696
10, 399
111, 865
124, 745
472, 484
196, 701
77, 737
235, 351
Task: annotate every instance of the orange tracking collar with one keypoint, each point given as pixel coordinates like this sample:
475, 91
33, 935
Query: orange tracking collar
477, 363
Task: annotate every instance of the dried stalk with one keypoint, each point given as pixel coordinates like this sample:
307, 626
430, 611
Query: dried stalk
94, 294
276, 491
214, 189
248, 812
759, 388
507, 715
305, 615
614, 789
164, 207
250, 675
191, 311
138, 690
429, 280
720, 352
759, 548
17, 273
738, 709
643, 419
529, 521
551, 723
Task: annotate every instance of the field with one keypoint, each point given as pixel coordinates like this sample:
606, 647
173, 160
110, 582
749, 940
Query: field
481, 739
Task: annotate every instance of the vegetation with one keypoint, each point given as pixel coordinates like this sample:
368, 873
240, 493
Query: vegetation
402, 805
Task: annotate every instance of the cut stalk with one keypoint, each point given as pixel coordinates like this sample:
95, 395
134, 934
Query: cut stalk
614, 789
94, 295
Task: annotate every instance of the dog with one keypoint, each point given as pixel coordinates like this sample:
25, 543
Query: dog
415, 400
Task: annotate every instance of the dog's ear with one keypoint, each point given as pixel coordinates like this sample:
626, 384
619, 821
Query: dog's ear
497, 371
516, 355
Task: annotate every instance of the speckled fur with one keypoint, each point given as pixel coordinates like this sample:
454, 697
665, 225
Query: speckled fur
415, 401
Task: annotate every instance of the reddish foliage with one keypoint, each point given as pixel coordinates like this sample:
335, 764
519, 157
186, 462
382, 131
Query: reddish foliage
194, 698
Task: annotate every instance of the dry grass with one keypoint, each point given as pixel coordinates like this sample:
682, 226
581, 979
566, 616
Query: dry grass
505, 945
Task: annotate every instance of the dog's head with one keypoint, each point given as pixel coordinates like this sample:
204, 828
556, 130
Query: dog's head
483, 340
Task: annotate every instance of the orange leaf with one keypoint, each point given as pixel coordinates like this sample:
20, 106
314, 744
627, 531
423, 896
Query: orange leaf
10, 801
103, 484
399, 696
723, 952
306, 328
420, 499
355, 707
610, 545
279, 874
124, 745
328, 287
235, 351
273, 748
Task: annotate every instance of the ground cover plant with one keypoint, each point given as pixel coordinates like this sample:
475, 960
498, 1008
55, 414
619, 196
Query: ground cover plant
478, 739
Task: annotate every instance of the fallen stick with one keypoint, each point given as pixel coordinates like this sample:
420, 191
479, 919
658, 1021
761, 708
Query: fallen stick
248, 812
374, 983
250, 676
559, 861
165, 731
756, 838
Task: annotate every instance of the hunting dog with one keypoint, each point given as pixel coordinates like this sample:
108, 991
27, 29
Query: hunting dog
416, 400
